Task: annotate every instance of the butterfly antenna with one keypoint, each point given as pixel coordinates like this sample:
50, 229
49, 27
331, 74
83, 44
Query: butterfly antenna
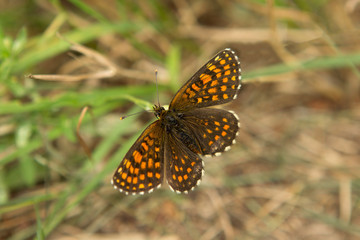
126, 116
157, 87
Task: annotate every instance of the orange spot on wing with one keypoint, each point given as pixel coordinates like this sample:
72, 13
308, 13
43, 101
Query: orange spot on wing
128, 179
192, 94
211, 67
215, 98
145, 146
150, 163
180, 179
205, 78
196, 88
137, 156
212, 90
226, 127
128, 163
135, 180
213, 83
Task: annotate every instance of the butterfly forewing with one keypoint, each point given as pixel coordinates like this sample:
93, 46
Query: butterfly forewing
217, 82
214, 129
142, 167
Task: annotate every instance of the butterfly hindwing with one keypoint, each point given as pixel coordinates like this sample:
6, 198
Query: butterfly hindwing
217, 82
184, 168
141, 170
214, 129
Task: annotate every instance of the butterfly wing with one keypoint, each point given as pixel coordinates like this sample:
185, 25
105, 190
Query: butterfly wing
184, 168
141, 170
217, 82
214, 129
200, 131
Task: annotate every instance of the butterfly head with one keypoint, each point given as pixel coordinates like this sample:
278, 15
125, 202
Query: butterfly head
159, 111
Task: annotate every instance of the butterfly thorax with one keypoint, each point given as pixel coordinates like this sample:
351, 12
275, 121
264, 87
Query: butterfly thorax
172, 122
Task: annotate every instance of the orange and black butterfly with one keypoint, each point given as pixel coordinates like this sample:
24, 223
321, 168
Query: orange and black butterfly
171, 146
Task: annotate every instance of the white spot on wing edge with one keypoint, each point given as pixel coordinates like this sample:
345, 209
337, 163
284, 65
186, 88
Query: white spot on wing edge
217, 154
239, 87
235, 115
227, 148
171, 187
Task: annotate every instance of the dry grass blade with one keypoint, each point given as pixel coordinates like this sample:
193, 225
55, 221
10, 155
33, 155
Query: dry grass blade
81, 140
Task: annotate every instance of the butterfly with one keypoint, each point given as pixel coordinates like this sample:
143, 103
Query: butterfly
171, 146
